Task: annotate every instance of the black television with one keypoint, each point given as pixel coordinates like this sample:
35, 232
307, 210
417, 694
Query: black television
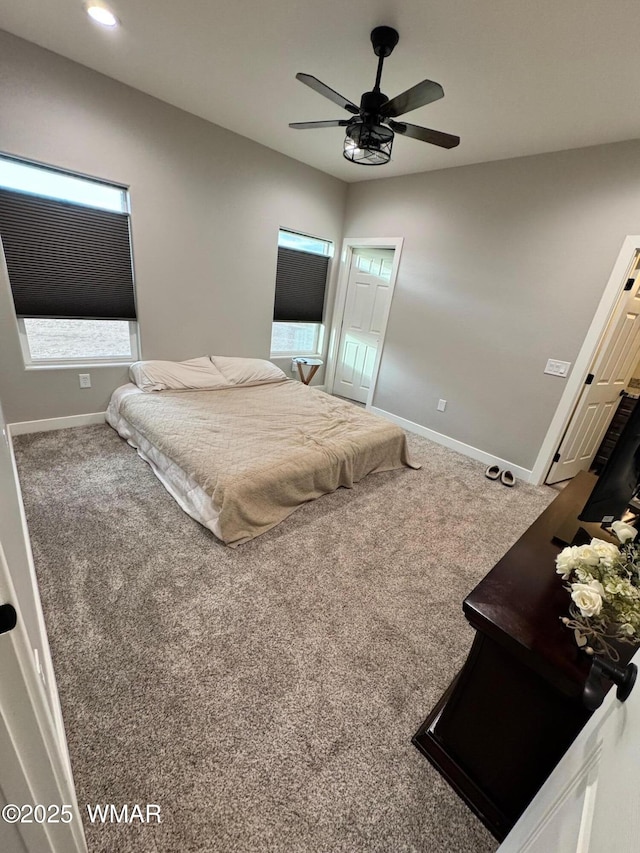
619, 480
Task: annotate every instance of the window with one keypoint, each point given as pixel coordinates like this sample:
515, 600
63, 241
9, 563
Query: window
300, 338
67, 247
301, 280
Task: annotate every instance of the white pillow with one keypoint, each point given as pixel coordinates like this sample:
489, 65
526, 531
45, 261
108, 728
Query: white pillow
247, 371
194, 374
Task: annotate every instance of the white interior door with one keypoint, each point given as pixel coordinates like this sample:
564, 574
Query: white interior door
365, 314
617, 357
33, 770
589, 804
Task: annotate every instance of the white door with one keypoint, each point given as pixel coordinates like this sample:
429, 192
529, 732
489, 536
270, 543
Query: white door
617, 357
365, 314
33, 770
591, 801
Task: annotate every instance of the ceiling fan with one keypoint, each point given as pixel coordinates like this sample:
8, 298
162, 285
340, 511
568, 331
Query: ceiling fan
371, 128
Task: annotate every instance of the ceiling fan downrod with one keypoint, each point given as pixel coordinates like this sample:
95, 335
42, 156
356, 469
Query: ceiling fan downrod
383, 39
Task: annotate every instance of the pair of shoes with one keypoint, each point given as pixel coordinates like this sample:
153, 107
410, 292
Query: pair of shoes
505, 477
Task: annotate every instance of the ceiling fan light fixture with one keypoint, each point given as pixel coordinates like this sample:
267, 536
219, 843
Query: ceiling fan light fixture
368, 145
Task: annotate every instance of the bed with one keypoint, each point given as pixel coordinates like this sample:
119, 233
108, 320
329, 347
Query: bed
240, 447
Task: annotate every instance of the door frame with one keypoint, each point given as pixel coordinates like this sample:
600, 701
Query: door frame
605, 311
340, 301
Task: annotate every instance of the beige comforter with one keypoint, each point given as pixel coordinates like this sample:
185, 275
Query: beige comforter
260, 452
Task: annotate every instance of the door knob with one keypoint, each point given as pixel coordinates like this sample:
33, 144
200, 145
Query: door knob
624, 677
8, 618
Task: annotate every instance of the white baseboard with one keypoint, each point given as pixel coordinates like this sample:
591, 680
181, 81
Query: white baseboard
24, 427
466, 449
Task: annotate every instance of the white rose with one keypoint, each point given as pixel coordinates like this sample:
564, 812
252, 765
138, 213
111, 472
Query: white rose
588, 597
608, 552
587, 554
566, 561
624, 531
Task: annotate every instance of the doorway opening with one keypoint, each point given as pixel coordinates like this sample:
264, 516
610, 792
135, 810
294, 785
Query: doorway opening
366, 282
600, 392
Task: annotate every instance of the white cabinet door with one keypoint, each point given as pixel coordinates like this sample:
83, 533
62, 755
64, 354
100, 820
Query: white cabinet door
591, 801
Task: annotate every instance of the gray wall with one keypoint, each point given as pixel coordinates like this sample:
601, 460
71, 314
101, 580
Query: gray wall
503, 266
206, 208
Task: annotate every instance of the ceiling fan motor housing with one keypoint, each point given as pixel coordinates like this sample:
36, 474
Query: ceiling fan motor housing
384, 39
371, 102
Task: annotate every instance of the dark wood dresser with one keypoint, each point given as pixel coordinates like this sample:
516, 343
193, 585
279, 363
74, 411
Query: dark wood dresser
516, 705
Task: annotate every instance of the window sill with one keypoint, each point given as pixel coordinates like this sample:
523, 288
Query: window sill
80, 365
287, 356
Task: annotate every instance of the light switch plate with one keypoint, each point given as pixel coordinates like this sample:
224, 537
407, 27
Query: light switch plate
442, 405
557, 368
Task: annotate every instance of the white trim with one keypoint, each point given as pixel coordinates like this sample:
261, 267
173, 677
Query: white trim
48, 424
81, 365
584, 360
466, 449
134, 325
348, 245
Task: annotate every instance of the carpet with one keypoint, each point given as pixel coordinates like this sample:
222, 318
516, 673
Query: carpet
265, 697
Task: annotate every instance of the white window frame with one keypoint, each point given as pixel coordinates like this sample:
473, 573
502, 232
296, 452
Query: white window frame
327, 244
84, 361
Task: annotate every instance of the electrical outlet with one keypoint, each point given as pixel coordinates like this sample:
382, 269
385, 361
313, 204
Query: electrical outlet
85, 380
557, 368
442, 405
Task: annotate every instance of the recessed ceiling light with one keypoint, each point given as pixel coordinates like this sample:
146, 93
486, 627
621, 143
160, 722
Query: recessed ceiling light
102, 15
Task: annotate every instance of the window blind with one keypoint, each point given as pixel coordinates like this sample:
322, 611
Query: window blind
66, 260
301, 280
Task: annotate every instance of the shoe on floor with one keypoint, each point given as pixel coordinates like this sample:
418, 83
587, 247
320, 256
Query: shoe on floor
507, 478
492, 472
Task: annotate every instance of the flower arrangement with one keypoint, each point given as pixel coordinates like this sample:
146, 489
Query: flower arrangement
604, 582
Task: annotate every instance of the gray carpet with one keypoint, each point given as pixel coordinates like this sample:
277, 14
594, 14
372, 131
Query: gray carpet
265, 697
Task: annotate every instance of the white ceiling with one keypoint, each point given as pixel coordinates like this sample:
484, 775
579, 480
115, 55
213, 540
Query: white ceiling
520, 76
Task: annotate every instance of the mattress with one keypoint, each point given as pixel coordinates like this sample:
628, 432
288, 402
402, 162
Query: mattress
239, 460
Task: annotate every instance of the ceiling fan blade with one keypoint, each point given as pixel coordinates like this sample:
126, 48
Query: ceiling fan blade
310, 125
425, 134
417, 96
322, 89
